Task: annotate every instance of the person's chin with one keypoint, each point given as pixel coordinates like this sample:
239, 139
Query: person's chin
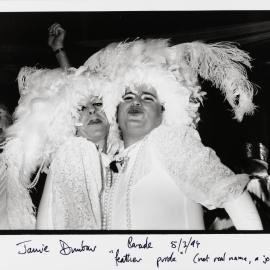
93, 128
96, 135
135, 124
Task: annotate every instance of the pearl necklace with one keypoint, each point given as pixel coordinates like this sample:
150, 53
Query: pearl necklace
107, 183
108, 195
110, 192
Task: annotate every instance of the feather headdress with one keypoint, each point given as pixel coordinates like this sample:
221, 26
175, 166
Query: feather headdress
44, 119
173, 71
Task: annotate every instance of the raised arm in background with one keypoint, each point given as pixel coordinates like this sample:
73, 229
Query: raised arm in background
56, 42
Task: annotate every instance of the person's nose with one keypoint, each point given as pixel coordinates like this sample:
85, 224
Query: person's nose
91, 109
137, 101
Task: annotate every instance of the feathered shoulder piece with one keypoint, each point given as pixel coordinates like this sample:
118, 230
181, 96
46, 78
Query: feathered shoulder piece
44, 118
174, 70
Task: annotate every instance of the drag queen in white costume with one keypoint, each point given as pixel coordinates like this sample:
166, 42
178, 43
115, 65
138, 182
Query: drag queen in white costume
166, 172
50, 134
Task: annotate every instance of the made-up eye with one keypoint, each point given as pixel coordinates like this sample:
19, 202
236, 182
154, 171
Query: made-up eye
128, 97
147, 97
82, 108
98, 104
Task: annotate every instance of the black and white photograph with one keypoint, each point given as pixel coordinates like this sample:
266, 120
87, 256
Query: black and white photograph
135, 121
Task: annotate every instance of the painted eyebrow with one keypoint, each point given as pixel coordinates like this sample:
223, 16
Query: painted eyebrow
128, 93
150, 94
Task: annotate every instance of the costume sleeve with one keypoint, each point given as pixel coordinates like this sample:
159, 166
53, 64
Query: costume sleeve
56, 202
196, 168
71, 195
243, 220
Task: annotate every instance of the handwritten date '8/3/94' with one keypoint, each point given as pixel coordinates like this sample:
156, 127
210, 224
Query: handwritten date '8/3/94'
183, 245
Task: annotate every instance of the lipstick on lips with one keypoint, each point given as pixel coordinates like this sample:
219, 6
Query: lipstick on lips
94, 121
135, 110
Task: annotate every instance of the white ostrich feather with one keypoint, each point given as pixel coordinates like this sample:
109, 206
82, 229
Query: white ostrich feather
225, 66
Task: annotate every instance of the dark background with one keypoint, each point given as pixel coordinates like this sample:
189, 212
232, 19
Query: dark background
24, 43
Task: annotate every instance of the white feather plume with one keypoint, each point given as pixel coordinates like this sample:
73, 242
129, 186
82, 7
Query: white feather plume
225, 66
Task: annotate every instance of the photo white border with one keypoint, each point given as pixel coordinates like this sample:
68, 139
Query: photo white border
8, 242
